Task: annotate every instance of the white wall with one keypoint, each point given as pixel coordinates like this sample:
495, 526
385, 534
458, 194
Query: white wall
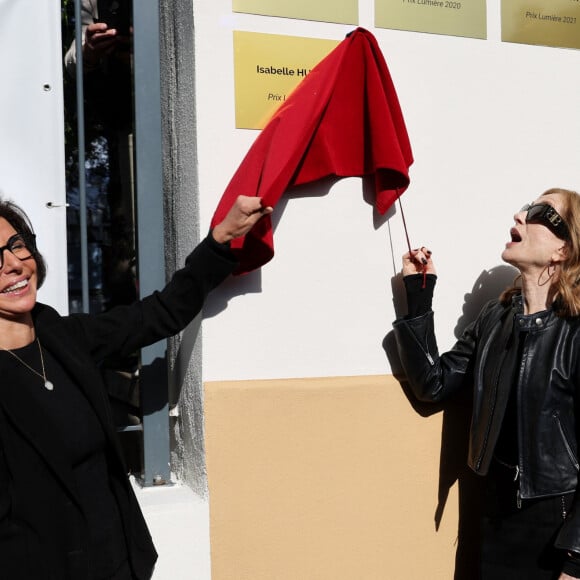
492, 125
31, 129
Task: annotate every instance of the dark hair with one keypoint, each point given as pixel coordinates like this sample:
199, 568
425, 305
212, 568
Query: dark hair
18, 219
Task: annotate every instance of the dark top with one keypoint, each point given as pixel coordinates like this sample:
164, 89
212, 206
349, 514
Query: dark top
75, 423
67, 508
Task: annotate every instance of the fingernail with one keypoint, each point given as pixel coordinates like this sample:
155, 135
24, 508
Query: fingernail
424, 261
429, 252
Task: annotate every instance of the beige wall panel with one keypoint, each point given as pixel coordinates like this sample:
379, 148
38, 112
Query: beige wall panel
325, 479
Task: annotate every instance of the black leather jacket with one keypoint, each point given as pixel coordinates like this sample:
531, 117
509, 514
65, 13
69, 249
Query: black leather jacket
547, 376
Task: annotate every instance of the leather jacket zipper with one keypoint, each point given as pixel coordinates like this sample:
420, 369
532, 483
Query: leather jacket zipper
518, 493
564, 510
426, 350
519, 394
516, 469
565, 440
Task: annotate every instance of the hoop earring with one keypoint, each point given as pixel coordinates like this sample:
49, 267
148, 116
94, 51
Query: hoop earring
549, 273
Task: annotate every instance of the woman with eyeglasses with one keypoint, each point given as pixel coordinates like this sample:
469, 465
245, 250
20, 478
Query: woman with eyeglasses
67, 509
521, 359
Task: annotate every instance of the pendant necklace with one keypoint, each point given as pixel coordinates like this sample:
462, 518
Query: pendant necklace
47, 384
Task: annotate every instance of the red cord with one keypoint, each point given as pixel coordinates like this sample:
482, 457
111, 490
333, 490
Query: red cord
404, 221
424, 268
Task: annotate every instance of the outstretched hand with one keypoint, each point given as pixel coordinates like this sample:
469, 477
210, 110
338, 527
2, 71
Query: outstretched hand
100, 41
418, 262
246, 211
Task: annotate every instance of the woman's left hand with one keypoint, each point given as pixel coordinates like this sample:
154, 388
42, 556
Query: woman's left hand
418, 261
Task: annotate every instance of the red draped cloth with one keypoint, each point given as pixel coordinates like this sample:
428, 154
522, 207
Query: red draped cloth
343, 119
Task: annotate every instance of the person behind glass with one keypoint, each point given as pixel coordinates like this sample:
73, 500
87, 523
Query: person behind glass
107, 49
101, 39
67, 509
520, 358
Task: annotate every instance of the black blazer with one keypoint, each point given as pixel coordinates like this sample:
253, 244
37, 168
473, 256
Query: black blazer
40, 514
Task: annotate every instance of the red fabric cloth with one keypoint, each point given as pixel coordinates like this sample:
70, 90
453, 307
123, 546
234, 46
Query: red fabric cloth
343, 119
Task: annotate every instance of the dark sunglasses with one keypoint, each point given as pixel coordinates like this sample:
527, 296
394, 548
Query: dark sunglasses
542, 213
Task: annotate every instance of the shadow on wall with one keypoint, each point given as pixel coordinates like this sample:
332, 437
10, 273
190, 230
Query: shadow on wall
489, 285
251, 283
456, 421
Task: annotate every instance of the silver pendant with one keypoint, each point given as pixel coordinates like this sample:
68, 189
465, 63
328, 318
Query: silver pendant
48, 386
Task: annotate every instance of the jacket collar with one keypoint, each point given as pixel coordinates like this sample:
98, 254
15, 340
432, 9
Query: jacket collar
531, 322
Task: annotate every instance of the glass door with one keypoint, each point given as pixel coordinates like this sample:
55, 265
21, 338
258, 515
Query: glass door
101, 212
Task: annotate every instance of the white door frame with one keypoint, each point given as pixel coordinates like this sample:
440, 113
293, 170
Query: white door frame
32, 130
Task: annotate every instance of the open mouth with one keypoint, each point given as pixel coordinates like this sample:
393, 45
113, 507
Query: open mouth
515, 235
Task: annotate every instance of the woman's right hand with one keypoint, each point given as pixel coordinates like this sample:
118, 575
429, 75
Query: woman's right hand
418, 261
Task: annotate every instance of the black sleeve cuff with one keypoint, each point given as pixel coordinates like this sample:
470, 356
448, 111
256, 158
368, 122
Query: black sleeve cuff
419, 298
571, 566
223, 250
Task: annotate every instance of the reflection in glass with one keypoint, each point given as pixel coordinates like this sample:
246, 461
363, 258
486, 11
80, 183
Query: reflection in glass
107, 57
108, 113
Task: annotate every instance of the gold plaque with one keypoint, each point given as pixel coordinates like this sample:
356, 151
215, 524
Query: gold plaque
452, 17
548, 23
267, 67
341, 11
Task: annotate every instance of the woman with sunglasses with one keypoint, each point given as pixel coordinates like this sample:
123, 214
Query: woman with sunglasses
521, 359
67, 510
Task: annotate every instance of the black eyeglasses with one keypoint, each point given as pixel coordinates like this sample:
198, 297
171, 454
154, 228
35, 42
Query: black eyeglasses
545, 214
16, 245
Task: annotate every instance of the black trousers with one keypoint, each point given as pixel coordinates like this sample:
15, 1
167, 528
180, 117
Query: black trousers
517, 541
